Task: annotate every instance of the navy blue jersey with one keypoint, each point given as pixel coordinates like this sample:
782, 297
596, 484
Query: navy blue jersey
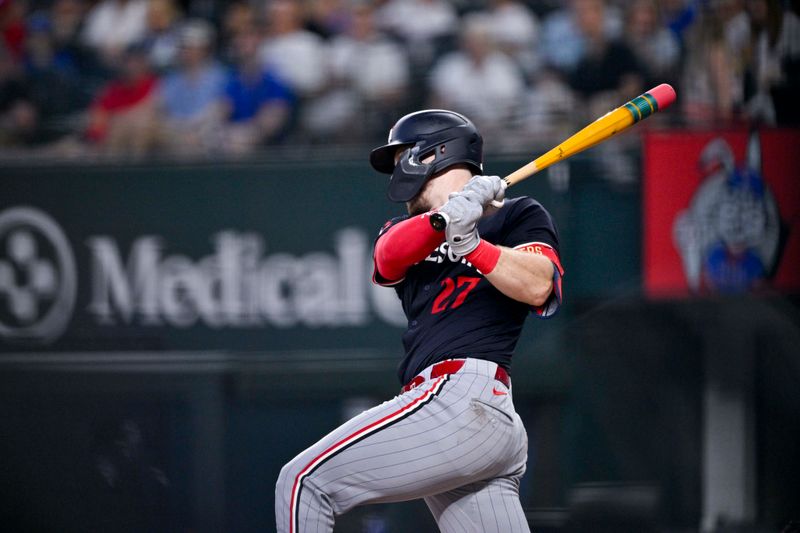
454, 312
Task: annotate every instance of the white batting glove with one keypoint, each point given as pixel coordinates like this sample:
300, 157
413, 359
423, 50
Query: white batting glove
486, 190
462, 215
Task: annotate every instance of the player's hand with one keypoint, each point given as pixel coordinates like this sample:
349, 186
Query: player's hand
486, 190
462, 215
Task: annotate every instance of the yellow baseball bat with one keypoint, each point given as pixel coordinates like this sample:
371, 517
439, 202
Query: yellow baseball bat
613, 122
656, 99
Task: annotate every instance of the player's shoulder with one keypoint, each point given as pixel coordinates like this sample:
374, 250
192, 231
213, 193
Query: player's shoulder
391, 222
522, 202
524, 214
523, 206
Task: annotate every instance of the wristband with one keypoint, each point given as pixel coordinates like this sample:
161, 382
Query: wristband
484, 257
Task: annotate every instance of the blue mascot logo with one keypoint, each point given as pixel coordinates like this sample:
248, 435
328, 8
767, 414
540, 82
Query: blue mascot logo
729, 236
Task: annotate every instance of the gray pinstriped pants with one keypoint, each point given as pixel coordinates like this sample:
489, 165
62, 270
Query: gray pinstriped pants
455, 441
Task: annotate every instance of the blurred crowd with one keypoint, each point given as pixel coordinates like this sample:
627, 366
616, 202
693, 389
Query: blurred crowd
215, 77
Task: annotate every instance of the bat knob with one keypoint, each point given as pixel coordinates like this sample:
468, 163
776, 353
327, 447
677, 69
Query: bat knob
438, 221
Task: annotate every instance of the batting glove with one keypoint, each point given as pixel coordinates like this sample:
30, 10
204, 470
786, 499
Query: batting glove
462, 215
486, 190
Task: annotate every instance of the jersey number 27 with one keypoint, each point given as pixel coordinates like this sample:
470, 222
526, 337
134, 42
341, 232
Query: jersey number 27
443, 301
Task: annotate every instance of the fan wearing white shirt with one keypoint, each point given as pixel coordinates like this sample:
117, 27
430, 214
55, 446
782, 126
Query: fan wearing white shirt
478, 79
296, 55
113, 25
370, 76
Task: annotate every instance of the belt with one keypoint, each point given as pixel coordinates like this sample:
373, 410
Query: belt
451, 366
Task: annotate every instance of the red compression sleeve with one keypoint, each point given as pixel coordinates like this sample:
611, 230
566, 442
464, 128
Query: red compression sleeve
484, 257
405, 244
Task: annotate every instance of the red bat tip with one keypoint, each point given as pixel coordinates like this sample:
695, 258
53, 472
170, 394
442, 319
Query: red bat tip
664, 95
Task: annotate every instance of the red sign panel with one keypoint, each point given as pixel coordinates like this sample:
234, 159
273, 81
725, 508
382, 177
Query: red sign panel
721, 212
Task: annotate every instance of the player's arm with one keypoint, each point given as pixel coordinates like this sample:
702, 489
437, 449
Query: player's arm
524, 276
529, 273
402, 245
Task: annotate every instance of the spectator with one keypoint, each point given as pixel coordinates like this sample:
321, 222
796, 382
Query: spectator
515, 30
547, 112
256, 104
679, 16
773, 76
161, 38
736, 23
328, 18
608, 73
190, 97
67, 18
370, 75
563, 43
113, 25
12, 27
711, 88
478, 80
426, 27
295, 54
375, 66
54, 79
605, 76
122, 116
239, 18
656, 48
18, 116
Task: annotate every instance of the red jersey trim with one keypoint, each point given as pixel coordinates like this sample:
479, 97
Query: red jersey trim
544, 249
553, 303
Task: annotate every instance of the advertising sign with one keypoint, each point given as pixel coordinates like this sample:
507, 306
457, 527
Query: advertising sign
721, 212
183, 258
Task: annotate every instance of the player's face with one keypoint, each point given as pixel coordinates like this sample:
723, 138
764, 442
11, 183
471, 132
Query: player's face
436, 190
419, 204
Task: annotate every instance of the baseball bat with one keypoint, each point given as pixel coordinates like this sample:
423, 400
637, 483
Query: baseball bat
613, 122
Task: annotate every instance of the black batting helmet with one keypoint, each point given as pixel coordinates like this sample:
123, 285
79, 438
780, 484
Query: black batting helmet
452, 137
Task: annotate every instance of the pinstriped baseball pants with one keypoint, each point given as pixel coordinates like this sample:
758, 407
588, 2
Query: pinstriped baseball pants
455, 441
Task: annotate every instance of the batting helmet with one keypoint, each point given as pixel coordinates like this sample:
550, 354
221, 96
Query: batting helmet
451, 137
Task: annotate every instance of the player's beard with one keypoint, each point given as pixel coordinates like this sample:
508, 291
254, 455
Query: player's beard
422, 202
418, 205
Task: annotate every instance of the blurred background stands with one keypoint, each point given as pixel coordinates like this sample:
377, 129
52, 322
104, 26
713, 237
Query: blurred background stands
526, 71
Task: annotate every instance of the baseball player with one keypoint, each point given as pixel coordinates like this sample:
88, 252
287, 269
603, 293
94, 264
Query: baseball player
452, 435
